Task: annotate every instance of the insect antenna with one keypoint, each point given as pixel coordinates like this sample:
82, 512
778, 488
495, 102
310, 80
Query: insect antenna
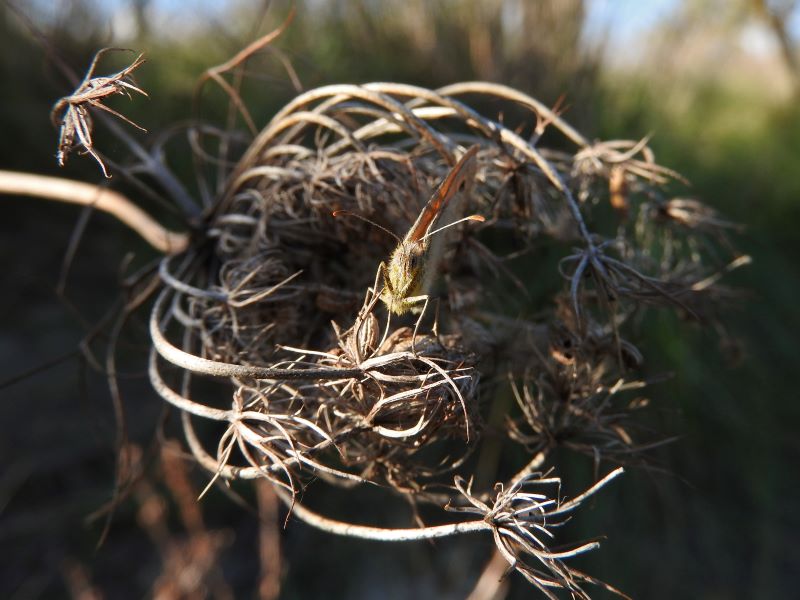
347, 213
478, 218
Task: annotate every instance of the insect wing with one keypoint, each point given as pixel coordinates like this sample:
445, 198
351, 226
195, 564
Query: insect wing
463, 171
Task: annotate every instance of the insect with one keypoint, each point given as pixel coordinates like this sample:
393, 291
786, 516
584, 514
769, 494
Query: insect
414, 263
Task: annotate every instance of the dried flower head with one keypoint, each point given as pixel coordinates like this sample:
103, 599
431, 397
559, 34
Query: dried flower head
282, 300
71, 113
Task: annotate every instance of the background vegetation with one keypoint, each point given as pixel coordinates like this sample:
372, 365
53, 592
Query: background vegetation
714, 518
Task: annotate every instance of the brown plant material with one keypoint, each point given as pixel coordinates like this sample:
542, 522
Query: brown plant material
78, 581
269, 541
190, 563
71, 113
618, 191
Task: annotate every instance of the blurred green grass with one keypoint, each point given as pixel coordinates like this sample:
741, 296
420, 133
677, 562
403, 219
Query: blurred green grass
722, 520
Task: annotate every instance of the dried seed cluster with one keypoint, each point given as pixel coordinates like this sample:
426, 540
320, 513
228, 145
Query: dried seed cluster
281, 299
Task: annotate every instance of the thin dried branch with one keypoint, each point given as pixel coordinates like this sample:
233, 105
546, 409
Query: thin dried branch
100, 198
237, 62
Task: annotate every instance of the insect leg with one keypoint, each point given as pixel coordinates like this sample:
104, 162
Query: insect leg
383, 275
417, 299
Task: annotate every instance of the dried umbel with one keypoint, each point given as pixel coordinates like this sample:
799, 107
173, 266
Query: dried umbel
71, 113
282, 299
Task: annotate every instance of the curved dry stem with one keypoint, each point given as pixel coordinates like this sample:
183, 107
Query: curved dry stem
379, 534
85, 194
158, 323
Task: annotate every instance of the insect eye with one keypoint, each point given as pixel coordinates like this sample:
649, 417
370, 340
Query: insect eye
413, 261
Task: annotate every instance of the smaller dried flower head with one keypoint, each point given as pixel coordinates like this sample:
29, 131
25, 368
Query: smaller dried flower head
72, 115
